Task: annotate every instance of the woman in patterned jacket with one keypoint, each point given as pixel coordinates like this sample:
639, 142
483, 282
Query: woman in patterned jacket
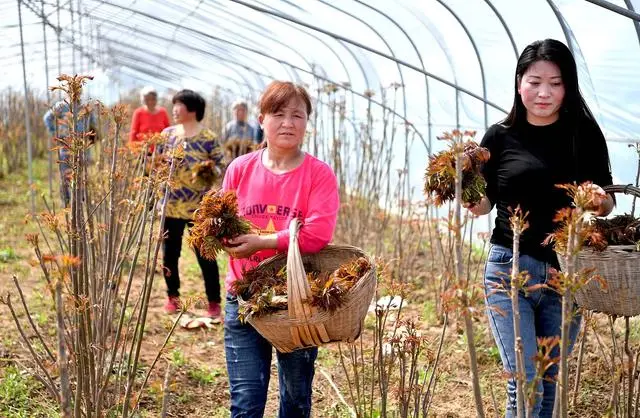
199, 165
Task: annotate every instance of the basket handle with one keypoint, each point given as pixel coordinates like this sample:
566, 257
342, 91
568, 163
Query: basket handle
299, 294
626, 189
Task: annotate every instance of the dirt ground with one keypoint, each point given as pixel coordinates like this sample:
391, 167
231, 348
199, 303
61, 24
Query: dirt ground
199, 385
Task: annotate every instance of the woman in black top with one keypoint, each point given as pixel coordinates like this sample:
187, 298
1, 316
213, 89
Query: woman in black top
550, 137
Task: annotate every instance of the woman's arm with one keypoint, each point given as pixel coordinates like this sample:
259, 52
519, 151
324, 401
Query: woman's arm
606, 207
488, 171
594, 162
135, 126
481, 208
50, 121
165, 118
319, 222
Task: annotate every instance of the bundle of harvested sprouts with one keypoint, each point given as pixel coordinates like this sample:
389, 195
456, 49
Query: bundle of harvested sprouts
265, 290
215, 222
619, 230
234, 148
597, 233
205, 172
441, 173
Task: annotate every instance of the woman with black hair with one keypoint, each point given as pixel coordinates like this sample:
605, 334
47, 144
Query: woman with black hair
550, 137
200, 147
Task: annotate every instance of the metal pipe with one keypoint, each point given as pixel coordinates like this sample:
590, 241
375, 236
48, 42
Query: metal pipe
575, 49
382, 38
326, 79
338, 57
505, 26
73, 41
237, 36
27, 121
133, 11
81, 34
166, 58
46, 77
426, 79
631, 14
479, 58
91, 57
636, 24
373, 50
58, 30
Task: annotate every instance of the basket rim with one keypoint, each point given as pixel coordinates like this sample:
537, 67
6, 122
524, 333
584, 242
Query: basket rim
281, 317
611, 248
328, 248
623, 188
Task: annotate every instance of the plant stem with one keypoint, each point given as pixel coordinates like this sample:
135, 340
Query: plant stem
583, 341
515, 294
459, 268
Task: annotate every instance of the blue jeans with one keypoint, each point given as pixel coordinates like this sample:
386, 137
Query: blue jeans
65, 157
249, 363
540, 316
64, 164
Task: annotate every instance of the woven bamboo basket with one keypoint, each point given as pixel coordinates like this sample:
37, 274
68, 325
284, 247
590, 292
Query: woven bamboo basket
303, 325
620, 267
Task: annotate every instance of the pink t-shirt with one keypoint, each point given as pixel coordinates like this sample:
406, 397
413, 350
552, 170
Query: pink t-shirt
270, 201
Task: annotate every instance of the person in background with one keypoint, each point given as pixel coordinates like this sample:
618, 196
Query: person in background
288, 183
259, 130
148, 118
58, 119
200, 147
239, 136
550, 137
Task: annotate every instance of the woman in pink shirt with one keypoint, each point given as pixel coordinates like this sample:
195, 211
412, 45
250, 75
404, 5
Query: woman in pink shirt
274, 185
148, 118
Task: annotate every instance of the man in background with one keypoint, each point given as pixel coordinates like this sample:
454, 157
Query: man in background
239, 136
58, 121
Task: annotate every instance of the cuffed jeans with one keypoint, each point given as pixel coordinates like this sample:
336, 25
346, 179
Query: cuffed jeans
249, 363
540, 316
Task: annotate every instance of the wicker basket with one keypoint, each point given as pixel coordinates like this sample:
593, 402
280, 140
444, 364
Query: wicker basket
302, 325
620, 267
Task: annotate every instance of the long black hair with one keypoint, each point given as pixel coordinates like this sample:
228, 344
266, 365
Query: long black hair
574, 111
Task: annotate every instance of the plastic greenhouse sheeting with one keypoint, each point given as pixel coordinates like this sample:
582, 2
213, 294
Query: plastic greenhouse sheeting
457, 57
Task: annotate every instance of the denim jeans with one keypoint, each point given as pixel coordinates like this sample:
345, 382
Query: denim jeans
540, 316
249, 363
64, 165
65, 157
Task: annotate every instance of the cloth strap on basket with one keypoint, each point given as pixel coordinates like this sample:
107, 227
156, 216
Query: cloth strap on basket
299, 293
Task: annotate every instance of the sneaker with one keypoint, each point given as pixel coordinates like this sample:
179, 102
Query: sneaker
173, 305
214, 310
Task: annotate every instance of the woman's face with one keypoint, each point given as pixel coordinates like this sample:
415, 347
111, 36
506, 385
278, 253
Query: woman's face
542, 91
286, 127
240, 113
181, 114
150, 100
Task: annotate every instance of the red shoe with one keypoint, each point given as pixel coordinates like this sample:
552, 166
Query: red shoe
173, 305
214, 310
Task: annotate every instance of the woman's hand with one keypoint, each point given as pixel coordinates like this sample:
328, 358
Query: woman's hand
601, 203
481, 208
244, 246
